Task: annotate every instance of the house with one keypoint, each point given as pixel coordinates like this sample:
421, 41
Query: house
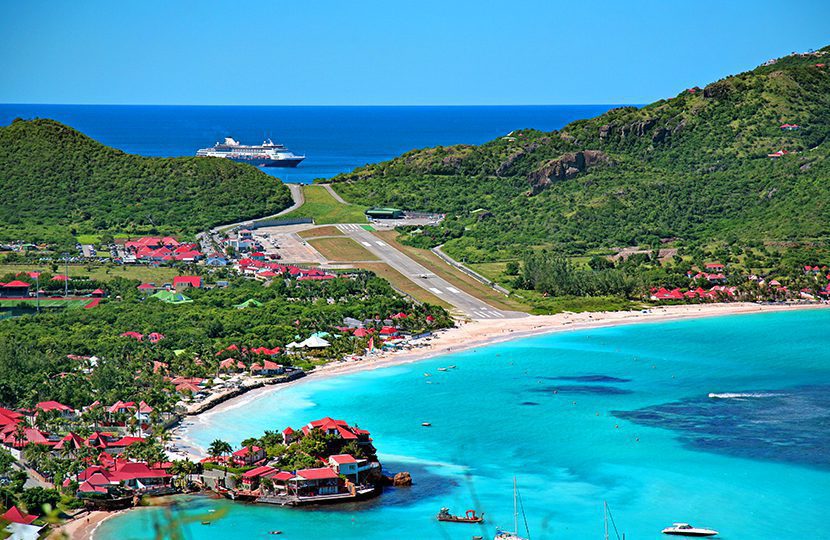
338, 428
98, 293
248, 455
715, 267
778, 154
146, 288
267, 368
14, 515
344, 464
790, 127
251, 479
134, 335
62, 410
155, 337
231, 364
14, 289
664, 294
258, 256
216, 260
289, 435
184, 282
266, 351
140, 476
313, 482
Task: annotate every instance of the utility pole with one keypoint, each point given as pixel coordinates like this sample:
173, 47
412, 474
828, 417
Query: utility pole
66, 275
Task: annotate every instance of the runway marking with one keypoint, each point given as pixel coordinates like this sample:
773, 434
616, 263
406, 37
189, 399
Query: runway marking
453, 290
381, 244
436, 291
367, 244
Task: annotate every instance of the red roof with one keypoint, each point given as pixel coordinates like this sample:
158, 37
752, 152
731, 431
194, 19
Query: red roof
242, 452
259, 471
323, 473
265, 350
16, 516
145, 286
61, 277
87, 487
53, 406
17, 283
193, 281
282, 476
342, 459
132, 334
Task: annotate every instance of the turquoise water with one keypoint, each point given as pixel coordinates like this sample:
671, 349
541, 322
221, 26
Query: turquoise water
619, 414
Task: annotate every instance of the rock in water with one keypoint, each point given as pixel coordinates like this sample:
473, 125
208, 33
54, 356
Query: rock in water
402, 479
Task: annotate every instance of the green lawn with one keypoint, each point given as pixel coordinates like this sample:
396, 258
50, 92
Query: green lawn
46, 303
324, 209
157, 275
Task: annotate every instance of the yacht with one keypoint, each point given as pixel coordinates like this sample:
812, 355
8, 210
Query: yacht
684, 529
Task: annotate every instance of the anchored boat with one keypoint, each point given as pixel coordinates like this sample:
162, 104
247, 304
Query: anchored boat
469, 517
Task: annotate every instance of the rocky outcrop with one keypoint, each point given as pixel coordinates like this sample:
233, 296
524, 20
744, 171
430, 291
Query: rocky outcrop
564, 168
717, 90
402, 479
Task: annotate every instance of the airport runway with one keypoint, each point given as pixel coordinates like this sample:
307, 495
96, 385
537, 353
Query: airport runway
473, 307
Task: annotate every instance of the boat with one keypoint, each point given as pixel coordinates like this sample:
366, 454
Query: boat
267, 154
469, 517
442, 369
507, 535
426, 424
608, 516
684, 529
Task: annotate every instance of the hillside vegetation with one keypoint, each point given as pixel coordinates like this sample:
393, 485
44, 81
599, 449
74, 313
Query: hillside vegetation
57, 182
691, 169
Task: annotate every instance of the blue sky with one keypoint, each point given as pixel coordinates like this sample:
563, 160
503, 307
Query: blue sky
322, 52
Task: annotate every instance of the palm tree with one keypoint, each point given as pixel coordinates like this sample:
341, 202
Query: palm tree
19, 435
219, 448
36, 455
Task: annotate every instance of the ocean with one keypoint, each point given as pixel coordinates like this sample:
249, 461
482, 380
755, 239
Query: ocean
334, 139
721, 422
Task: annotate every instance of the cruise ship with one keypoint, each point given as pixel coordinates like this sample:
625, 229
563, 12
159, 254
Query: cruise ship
267, 154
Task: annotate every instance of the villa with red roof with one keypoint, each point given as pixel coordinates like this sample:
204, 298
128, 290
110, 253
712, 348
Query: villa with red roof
248, 455
185, 282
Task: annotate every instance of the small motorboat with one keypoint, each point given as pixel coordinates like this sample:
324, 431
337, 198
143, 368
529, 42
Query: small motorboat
442, 369
206, 523
684, 529
469, 517
425, 424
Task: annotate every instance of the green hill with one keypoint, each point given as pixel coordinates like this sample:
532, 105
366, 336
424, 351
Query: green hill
691, 169
56, 181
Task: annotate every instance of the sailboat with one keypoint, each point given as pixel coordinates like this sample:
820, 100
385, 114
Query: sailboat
506, 535
607, 517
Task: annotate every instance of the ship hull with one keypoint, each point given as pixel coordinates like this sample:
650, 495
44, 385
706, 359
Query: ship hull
264, 162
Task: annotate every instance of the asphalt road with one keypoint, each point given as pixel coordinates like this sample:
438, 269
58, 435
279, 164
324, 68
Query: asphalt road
473, 307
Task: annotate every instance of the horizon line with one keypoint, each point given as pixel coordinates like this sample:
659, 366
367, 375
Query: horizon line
321, 105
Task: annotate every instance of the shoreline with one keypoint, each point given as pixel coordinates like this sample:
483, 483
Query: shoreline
482, 333
83, 528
